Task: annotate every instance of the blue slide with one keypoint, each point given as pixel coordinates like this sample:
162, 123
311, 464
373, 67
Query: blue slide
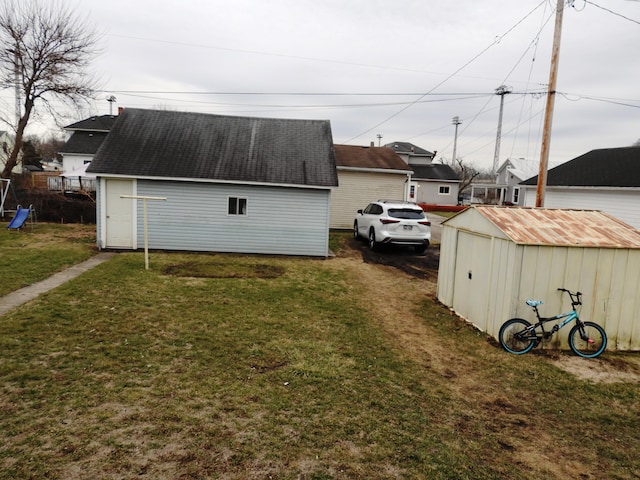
21, 216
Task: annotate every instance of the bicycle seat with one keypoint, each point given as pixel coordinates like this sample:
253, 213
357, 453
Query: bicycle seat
534, 303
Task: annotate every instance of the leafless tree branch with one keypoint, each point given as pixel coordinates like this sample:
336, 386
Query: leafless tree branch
49, 49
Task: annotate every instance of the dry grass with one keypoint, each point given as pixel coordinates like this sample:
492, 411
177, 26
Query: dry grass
331, 369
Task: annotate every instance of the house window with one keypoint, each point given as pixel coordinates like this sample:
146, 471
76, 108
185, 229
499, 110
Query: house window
516, 195
444, 190
237, 206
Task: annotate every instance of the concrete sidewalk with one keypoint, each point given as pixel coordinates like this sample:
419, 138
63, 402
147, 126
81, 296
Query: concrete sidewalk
26, 294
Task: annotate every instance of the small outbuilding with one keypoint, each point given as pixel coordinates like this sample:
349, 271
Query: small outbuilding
231, 184
493, 259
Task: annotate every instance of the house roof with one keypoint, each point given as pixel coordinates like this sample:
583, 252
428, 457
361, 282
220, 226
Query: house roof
101, 123
406, 147
560, 227
434, 171
369, 157
84, 142
521, 168
607, 167
166, 144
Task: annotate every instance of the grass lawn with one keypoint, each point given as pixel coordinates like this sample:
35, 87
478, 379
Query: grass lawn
35, 253
237, 367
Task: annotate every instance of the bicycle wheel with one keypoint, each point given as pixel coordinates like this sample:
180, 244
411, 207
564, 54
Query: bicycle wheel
587, 341
509, 339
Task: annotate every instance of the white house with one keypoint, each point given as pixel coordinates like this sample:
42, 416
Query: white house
607, 179
366, 174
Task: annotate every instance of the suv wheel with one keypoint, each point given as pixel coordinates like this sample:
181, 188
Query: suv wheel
420, 249
355, 230
372, 239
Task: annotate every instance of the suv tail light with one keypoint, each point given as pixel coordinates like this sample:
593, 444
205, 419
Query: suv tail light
425, 222
385, 221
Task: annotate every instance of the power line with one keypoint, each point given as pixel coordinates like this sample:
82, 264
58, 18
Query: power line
612, 12
495, 42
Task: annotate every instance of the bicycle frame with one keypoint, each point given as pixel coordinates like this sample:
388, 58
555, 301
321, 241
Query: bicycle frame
532, 334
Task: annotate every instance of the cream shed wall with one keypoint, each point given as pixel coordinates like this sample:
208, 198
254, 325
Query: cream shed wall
485, 278
358, 187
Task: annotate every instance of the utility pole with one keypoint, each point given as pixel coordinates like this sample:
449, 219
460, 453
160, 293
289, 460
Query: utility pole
379, 138
548, 117
455, 121
502, 90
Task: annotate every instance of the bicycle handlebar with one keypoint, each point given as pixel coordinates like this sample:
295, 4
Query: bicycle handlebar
577, 301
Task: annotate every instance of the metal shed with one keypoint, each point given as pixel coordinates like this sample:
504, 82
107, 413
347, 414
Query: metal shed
492, 259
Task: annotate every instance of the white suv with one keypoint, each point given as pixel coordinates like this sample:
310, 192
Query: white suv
393, 222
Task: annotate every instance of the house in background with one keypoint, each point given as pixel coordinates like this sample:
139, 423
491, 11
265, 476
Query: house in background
366, 174
86, 137
434, 184
431, 183
606, 179
232, 184
412, 154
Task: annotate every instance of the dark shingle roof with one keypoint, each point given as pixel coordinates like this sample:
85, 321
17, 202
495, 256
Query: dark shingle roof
434, 171
606, 167
153, 143
406, 147
84, 142
369, 157
94, 124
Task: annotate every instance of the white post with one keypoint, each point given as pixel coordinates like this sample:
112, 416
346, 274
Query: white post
146, 229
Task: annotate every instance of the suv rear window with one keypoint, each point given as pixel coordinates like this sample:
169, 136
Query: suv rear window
406, 213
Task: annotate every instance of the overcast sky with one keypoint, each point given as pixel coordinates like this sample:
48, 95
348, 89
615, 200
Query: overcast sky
401, 69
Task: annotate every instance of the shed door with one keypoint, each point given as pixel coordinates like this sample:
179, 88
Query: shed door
472, 278
119, 212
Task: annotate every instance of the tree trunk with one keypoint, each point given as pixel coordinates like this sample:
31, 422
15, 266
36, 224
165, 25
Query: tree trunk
12, 161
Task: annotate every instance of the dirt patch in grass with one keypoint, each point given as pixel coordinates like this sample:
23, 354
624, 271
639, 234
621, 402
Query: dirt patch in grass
224, 270
601, 370
503, 420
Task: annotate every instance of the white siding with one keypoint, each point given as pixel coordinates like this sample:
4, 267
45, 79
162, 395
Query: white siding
358, 189
624, 205
429, 192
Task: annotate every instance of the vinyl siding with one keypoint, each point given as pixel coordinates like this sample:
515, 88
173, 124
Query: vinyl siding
289, 221
624, 205
357, 189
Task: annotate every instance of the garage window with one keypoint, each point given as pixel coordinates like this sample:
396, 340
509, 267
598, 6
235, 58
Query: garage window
444, 190
237, 206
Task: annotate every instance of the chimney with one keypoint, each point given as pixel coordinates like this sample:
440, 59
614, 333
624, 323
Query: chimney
120, 110
372, 144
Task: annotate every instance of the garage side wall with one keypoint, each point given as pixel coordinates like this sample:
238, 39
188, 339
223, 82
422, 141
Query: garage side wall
358, 189
195, 217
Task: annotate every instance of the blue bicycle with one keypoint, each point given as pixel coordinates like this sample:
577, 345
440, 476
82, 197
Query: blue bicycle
586, 339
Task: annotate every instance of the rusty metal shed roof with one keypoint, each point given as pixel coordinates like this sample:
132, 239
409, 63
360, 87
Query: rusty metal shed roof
560, 227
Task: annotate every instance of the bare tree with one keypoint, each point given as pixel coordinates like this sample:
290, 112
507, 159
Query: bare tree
466, 172
46, 50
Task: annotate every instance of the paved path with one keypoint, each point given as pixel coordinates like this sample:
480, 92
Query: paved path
26, 294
